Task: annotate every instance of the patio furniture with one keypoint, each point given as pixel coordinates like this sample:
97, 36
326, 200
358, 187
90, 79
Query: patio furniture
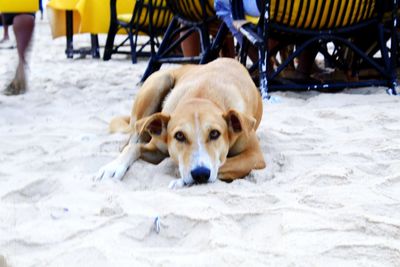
70, 17
148, 18
190, 16
17, 6
319, 22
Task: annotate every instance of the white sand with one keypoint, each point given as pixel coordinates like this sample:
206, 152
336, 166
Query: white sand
330, 195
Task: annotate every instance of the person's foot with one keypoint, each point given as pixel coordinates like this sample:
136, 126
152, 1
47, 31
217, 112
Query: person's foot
4, 39
18, 84
7, 44
16, 87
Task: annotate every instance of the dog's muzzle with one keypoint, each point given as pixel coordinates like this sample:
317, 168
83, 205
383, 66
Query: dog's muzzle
200, 175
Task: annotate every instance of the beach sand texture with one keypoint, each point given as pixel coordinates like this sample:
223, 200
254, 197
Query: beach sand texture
330, 195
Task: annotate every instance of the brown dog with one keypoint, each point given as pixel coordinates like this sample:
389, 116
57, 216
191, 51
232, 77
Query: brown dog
204, 117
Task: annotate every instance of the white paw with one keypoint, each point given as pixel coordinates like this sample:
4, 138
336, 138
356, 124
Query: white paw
113, 170
176, 184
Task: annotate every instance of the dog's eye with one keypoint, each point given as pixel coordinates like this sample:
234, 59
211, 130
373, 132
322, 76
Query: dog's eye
180, 136
214, 134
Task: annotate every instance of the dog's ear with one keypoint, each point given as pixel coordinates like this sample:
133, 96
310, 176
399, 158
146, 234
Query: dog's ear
239, 123
155, 124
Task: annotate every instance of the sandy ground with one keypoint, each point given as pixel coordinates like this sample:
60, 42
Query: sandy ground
330, 195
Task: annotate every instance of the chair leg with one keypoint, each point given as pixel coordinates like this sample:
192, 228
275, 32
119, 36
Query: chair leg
393, 50
243, 52
216, 45
133, 47
205, 41
95, 46
69, 51
153, 44
154, 63
152, 67
263, 68
108, 49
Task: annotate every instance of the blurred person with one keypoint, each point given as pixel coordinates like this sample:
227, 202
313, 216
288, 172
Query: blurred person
191, 45
6, 37
305, 60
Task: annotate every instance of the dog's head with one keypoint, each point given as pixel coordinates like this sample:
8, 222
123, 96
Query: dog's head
198, 136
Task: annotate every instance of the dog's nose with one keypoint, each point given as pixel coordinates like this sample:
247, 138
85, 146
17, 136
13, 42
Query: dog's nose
200, 175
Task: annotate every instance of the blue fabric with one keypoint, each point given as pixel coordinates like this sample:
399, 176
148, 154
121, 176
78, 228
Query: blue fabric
250, 8
223, 8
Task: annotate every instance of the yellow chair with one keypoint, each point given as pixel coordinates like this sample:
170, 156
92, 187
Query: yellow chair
57, 14
69, 17
89, 16
19, 6
149, 18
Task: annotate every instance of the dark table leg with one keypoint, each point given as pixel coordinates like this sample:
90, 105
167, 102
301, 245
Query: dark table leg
95, 46
70, 33
94, 51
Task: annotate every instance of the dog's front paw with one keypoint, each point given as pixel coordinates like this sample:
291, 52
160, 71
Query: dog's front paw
113, 170
176, 184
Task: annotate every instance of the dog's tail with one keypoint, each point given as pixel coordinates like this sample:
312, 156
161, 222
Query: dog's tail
120, 125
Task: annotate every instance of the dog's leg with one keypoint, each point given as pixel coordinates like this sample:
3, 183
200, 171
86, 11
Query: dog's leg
117, 168
147, 102
240, 165
132, 151
150, 153
152, 94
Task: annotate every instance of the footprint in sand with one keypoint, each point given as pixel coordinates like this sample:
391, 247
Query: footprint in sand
325, 176
85, 256
382, 255
296, 121
331, 114
111, 146
316, 202
32, 192
175, 230
390, 186
391, 152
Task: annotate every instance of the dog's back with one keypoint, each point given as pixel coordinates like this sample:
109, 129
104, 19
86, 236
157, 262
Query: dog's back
224, 81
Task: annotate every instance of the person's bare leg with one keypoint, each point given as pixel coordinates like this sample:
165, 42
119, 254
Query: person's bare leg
228, 48
23, 28
306, 60
191, 45
5, 28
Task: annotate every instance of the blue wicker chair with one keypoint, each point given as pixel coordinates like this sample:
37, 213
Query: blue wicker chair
317, 22
189, 16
